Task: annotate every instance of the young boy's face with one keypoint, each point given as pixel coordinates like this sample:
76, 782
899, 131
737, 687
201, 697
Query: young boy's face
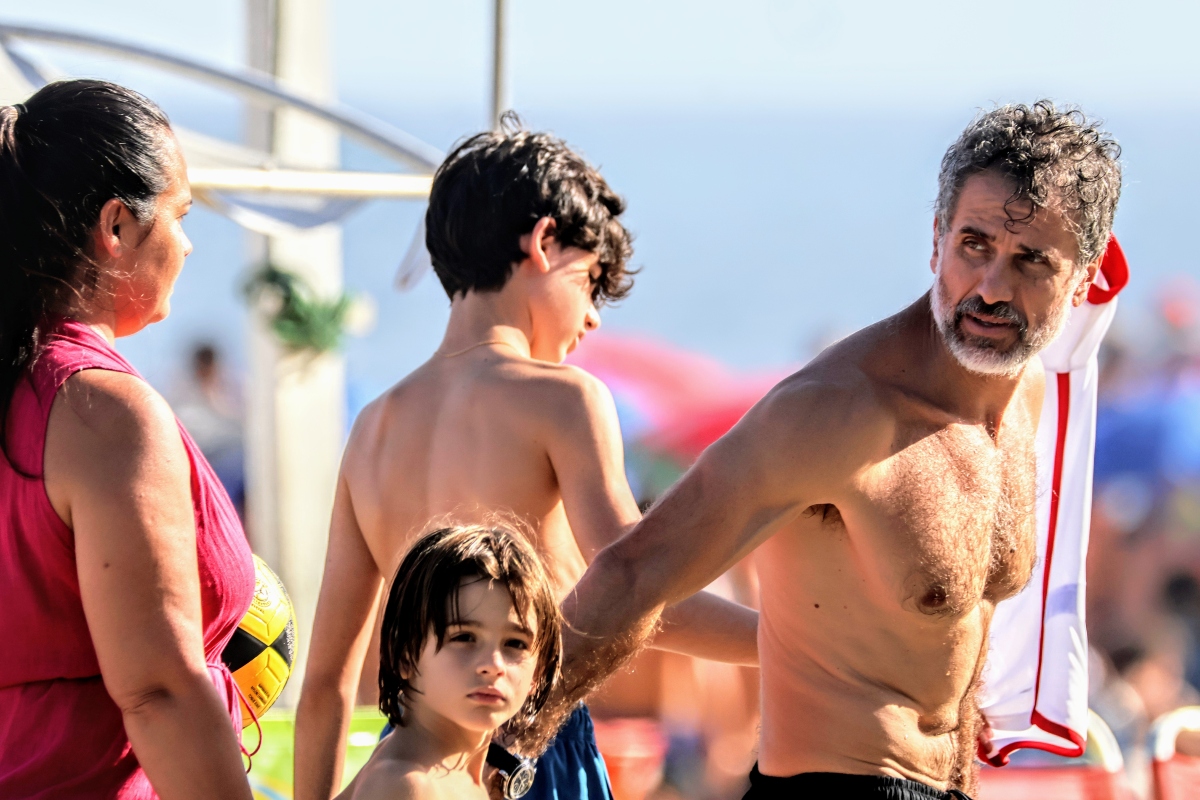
561, 303
485, 669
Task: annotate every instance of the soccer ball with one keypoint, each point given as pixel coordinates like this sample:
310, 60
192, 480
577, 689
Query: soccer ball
262, 648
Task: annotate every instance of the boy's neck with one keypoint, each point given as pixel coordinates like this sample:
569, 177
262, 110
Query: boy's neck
431, 739
488, 317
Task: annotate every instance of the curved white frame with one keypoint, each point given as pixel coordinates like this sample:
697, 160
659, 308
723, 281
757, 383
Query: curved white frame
375, 133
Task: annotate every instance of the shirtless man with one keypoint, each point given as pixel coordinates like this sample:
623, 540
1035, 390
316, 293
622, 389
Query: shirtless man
889, 483
526, 240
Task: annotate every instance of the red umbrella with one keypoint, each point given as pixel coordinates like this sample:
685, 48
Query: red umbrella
671, 401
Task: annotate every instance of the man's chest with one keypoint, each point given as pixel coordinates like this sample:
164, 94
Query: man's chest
953, 512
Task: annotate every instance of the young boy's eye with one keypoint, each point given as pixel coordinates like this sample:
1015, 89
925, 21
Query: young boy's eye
461, 636
517, 644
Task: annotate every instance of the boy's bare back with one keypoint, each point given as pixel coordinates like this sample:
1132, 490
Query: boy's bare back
486, 430
493, 422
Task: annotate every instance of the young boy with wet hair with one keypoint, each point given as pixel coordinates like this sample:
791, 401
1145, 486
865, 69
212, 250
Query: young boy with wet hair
471, 643
526, 239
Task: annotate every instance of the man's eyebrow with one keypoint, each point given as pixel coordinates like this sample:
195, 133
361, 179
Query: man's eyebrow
973, 231
1035, 251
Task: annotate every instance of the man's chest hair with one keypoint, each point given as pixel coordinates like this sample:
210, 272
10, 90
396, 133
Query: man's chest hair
959, 511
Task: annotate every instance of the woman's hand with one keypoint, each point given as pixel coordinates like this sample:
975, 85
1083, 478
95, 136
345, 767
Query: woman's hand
117, 473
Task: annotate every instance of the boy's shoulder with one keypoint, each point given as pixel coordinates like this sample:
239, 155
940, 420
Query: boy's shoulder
394, 779
553, 394
523, 391
564, 382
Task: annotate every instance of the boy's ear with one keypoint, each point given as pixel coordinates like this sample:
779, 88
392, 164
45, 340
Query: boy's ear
536, 243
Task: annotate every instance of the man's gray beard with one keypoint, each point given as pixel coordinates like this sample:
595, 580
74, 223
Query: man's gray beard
979, 355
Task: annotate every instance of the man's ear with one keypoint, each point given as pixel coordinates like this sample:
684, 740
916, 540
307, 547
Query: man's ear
537, 242
933, 259
1085, 282
116, 230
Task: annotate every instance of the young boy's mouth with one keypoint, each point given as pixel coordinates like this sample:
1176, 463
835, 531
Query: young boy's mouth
487, 696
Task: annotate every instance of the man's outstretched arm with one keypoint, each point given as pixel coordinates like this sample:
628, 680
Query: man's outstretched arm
585, 448
792, 450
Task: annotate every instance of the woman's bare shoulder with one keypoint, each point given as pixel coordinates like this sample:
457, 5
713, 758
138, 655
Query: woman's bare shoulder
109, 431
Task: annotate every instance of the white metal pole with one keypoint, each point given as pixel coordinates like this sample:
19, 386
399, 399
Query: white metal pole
297, 409
500, 99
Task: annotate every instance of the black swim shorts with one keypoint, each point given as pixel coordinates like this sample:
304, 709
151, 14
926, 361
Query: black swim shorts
819, 785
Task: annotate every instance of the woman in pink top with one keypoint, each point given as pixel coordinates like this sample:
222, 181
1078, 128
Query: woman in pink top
123, 569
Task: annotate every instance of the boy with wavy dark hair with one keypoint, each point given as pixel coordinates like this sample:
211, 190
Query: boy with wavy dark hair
527, 240
471, 643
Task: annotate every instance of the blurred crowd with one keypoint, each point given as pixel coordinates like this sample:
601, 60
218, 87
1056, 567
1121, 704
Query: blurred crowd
1144, 557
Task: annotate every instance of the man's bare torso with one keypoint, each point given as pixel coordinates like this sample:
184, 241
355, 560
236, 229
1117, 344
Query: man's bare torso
876, 605
458, 439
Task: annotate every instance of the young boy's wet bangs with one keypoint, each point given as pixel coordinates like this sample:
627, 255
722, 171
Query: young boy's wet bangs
423, 601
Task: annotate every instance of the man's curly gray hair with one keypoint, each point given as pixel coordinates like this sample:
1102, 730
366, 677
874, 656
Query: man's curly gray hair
1056, 158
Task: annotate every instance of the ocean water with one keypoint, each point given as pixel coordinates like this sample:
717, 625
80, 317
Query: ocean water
761, 236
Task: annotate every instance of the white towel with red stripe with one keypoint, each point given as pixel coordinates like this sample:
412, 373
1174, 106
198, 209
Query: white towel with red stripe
1035, 682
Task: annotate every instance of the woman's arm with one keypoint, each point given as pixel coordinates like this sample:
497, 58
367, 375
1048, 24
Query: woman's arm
341, 635
117, 473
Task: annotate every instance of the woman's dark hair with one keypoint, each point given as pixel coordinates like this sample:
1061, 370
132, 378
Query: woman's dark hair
494, 188
64, 153
423, 602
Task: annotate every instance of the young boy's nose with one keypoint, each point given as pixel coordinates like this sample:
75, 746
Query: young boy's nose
592, 321
493, 664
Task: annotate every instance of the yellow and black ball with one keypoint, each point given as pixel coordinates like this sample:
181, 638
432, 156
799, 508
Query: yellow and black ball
262, 649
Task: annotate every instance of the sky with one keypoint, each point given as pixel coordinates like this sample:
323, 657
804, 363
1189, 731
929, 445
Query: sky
689, 53
779, 157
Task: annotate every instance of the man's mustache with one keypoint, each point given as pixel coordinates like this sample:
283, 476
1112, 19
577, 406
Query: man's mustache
1000, 310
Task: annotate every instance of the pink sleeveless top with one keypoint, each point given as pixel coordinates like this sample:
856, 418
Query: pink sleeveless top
61, 735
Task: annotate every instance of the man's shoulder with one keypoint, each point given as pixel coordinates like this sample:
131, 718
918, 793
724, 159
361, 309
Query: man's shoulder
831, 393
828, 421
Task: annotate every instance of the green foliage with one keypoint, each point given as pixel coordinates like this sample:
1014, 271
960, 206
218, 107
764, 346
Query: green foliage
301, 321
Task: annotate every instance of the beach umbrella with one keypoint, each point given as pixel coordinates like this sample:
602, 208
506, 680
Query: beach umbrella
672, 403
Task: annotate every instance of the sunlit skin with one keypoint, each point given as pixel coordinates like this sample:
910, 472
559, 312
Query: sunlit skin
493, 421
117, 473
483, 671
892, 492
139, 263
465, 689
1030, 265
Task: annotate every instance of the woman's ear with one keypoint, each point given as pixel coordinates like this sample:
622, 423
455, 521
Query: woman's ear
115, 232
536, 243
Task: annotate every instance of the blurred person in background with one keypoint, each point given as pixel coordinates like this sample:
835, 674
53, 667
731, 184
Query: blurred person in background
123, 567
1181, 596
208, 404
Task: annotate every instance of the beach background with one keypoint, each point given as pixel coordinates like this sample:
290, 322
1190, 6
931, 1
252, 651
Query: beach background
779, 158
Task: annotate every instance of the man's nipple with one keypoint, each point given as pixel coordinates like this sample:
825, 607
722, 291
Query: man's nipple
934, 600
